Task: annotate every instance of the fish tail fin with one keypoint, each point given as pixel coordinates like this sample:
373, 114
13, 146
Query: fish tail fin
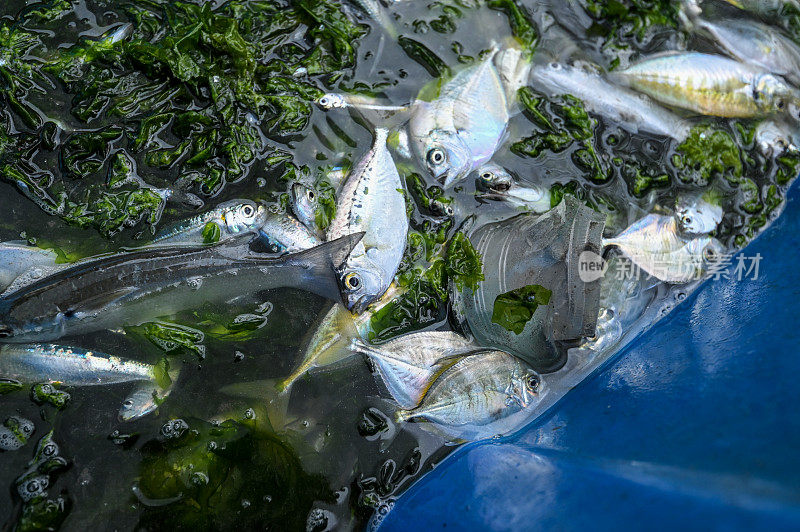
357, 345
381, 135
404, 415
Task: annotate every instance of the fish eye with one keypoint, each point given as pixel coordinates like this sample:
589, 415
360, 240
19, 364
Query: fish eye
780, 104
128, 403
687, 220
449, 210
533, 382
709, 254
436, 156
310, 194
486, 175
324, 100
352, 281
248, 210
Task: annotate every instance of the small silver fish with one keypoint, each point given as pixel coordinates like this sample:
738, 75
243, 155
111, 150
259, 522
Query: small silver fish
282, 233
478, 390
497, 183
756, 43
462, 128
653, 244
18, 257
144, 399
709, 84
630, 110
776, 137
233, 217
304, 203
409, 363
765, 7
371, 200
329, 343
69, 365
696, 215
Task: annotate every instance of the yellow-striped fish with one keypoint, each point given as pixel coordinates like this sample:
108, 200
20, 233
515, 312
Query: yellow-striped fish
709, 84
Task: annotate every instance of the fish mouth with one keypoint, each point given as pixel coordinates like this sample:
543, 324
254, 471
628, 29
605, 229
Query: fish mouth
6, 331
490, 196
360, 305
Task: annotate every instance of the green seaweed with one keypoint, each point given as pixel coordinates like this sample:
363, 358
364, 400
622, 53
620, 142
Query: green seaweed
211, 233
620, 23
513, 309
226, 476
463, 264
172, 338
519, 18
50, 394
9, 386
708, 153
196, 89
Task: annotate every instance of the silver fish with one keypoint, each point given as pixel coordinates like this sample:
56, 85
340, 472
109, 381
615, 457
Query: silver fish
71, 366
709, 84
304, 202
765, 7
757, 44
653, 244
630, 110
17, 257
696, 215
463, 127
478, 390
371, 201
282, 233
140, 285
144, 399
775, 137
497, 183
409, 363
329, 343
233, 217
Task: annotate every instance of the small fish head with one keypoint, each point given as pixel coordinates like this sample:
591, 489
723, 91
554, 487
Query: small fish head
494, 179
140, 403
304, 204
772, 94
696, 218
331, 101
245, 216
360, 287
524, 388
446, 157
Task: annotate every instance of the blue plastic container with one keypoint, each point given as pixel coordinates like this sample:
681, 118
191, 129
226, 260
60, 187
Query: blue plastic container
695, 426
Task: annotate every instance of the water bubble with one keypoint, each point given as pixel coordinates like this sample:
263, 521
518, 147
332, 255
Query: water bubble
238, 356
245, 503
174, 429
14, 433
319, 520
267, 498
32, 487
199, 479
